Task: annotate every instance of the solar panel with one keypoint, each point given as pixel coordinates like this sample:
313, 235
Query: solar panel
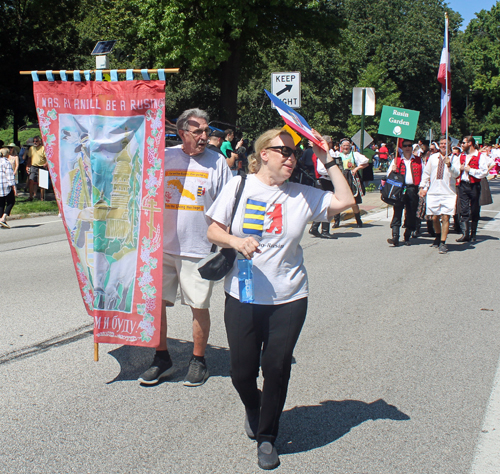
103, 47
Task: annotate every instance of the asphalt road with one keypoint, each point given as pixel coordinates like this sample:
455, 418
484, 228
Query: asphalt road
394, 370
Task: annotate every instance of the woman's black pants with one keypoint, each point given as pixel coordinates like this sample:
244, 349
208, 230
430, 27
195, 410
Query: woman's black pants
263, 335
7, 203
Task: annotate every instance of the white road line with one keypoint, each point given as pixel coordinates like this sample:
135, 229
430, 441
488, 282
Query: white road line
51, 222
379, 215
494, 224
487, 456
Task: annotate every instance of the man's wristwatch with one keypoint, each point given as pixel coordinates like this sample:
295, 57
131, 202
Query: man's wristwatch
330, 164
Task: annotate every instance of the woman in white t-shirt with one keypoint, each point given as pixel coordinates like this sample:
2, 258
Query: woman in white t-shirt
267, 227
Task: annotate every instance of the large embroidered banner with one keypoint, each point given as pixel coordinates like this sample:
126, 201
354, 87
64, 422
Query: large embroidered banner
104, 143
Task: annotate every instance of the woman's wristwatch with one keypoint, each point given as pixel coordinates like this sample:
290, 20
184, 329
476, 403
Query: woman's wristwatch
330, 164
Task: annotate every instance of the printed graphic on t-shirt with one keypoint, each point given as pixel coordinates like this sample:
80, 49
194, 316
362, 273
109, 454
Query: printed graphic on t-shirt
275, 215
182, 188
255, 222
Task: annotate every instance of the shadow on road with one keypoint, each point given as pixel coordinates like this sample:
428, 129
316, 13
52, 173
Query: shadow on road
24, 226
308, 427
135, 360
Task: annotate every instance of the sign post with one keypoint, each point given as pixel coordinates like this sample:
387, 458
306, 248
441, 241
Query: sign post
363, 103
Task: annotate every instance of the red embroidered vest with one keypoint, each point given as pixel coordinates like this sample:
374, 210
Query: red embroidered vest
416, 168
473, 163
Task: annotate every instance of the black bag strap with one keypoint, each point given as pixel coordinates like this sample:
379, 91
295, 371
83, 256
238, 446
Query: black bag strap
238, 197
236, 202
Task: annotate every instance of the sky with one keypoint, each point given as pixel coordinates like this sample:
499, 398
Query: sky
468, 8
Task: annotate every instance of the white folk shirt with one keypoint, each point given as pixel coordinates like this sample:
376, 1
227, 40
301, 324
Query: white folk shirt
440, 197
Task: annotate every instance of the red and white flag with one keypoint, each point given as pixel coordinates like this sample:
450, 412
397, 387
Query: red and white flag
444, 78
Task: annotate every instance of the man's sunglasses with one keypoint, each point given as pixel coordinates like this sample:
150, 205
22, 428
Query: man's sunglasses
407, 146
286, 151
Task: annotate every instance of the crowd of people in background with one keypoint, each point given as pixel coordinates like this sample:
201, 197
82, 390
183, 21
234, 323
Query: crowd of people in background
19, 164
440, 182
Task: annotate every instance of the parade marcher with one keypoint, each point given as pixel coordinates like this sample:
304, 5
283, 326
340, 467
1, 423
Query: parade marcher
264, 333
495, 154
214, 143
485, 197
438, 187
433, 148
215, 140
456, 151
352, 162
307, 159
227, 146
8, 191
194, 177
473, 168
325, 183
411, 167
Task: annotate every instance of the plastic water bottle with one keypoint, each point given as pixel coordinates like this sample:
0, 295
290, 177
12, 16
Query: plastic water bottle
245, 279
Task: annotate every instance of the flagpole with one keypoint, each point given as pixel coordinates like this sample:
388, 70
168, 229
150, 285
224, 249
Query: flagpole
447, 67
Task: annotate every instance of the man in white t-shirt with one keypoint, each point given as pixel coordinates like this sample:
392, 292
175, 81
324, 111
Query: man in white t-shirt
194, 177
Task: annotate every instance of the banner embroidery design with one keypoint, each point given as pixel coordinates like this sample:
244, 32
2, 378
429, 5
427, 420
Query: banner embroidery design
104, 144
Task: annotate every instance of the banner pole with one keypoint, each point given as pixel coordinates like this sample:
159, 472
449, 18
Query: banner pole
96, 352
448, 96
105, 71
363, 99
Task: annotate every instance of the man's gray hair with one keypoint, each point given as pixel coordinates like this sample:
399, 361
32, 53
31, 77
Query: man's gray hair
182, 121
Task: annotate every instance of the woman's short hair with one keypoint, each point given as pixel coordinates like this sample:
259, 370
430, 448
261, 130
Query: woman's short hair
4, 152
254, 160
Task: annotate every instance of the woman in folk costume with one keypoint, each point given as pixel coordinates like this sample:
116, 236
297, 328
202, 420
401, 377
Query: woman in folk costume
352, 162
438, 186
485, 197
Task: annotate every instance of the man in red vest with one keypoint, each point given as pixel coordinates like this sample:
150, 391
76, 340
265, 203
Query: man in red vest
411, 167
473, 168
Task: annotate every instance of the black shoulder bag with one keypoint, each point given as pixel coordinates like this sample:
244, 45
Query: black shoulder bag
218, 264
393, 189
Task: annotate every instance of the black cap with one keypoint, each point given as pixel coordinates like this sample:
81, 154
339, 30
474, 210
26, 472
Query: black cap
218, 134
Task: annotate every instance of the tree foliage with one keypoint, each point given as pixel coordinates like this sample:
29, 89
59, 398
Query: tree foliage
227, 51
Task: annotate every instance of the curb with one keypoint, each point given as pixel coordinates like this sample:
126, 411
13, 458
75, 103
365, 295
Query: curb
33, 214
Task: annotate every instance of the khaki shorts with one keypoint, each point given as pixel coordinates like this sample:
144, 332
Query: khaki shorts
183, 272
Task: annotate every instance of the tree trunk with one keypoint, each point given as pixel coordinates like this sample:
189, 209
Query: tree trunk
230, 73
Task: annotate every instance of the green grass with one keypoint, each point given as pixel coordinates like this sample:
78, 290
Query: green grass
24, 207
7, 135
371, 188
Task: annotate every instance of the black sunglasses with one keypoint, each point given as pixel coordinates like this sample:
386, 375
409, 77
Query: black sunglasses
286, 151
407, 146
